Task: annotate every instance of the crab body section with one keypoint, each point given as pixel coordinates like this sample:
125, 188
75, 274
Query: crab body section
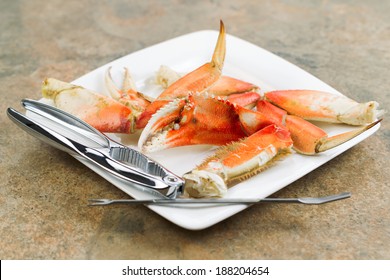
199, 119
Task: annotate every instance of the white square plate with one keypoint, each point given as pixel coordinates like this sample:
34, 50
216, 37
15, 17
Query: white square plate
244, 61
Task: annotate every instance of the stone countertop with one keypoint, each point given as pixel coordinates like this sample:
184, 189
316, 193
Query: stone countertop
43, 191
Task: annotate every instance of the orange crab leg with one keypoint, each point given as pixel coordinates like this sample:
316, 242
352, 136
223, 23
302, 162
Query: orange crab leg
225, 85
323, 106
308, 138
197, 81
102, 112
237, 161
277, 114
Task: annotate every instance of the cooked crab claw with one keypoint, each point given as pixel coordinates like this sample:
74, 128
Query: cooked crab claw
199, 119
308, 138
196, 81
323, 106
100, 111
128, 95
237, 161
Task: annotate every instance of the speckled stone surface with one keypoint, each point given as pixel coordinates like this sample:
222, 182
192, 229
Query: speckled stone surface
43, 192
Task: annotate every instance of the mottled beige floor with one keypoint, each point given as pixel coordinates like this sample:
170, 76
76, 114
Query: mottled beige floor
43, 192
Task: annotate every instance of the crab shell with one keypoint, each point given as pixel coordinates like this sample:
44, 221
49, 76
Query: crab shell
102, 112
224, 86
324, 106
197, 81
308, 138
237, 161
128, 95
199, 119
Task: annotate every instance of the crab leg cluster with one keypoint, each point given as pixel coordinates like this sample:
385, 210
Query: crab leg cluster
308, 138
198, 80
206, 107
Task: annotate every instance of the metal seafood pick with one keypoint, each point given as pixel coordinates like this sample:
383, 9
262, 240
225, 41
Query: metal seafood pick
219, 201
